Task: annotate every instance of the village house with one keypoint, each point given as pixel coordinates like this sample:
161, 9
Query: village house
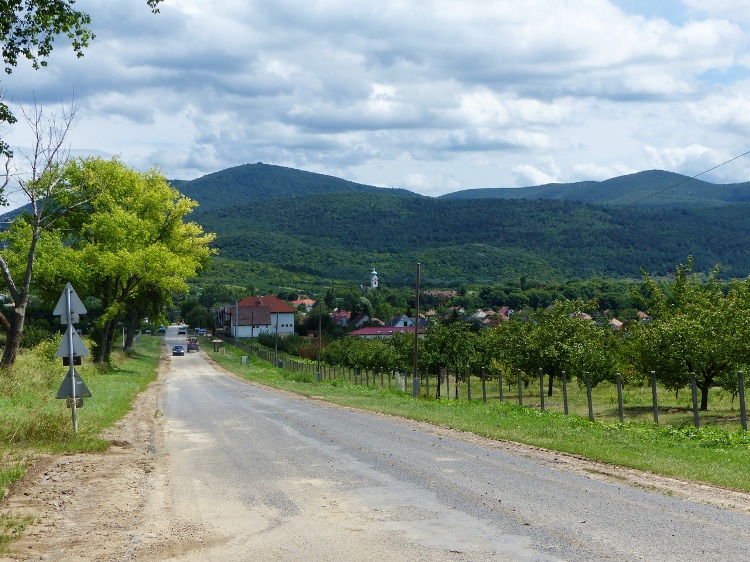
401, 320
341, 317
254, 315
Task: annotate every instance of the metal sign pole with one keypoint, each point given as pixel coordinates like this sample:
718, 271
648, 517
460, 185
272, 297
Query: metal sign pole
68, 307
71, 360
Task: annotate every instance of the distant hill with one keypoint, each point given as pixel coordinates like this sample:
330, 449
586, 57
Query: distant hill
257, 182
653, 189
341, 236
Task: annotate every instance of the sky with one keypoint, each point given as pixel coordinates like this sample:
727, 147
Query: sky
434, 96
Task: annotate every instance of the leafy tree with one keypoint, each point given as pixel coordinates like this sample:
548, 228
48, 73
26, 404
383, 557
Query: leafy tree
361, 306
218, 294
447, 345
318, 318
49, 199
563, 339
702, 330
130, 244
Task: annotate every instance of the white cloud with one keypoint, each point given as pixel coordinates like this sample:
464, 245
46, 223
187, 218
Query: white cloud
527, 175
699, 157
595, 172
436, 96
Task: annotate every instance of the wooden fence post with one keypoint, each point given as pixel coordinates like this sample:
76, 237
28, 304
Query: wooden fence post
588, 396
541, 387
619, 398
520, 389
694, 389
484, 387
741, 390
653, 396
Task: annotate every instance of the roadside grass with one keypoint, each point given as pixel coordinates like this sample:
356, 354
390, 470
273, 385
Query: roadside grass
717, 455
35, 422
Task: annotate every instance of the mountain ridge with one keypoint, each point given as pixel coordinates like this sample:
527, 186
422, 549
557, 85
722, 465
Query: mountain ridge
649, 188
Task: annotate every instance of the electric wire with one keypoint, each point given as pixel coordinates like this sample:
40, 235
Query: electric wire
688, 179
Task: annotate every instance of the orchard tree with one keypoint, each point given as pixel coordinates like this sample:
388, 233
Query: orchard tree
564, 338
702, 330
448, 345
129, 244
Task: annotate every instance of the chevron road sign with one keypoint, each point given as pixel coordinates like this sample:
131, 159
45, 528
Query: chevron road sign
73, 389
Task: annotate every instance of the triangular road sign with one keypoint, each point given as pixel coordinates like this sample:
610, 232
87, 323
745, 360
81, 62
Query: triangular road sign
76, 306
78, 347
67, 392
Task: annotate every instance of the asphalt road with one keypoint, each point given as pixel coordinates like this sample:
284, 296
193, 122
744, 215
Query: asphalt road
274, 477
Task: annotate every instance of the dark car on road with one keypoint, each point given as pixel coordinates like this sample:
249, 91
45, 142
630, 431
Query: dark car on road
178, 350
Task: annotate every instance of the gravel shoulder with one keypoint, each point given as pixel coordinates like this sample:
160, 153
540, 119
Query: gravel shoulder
116, 505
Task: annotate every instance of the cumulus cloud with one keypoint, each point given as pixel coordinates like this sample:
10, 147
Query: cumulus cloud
480, 93
527, 175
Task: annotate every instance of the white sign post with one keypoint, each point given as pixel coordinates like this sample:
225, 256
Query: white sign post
69, 307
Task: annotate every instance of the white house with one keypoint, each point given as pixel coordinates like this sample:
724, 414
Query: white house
253, 315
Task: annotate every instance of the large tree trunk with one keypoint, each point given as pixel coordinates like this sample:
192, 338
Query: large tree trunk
705, 386
130, 329
704, 397
105, 337
13, 340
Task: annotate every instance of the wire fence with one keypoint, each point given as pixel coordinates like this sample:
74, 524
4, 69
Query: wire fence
569, 396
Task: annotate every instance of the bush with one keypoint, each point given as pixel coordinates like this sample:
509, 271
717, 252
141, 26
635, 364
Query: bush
36, 333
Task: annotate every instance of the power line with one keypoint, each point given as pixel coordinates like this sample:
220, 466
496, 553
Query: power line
690, 178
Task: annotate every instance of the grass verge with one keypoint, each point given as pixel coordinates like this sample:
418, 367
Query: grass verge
717, 456
35, 422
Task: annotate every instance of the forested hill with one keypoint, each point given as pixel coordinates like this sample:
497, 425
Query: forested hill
257, 182
341, 236
653, 189
284, 226
650, 189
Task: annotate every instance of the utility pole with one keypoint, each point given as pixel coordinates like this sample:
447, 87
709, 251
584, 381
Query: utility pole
415, 376
320, 336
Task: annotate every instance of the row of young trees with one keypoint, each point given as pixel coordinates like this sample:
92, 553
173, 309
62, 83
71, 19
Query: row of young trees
700, 328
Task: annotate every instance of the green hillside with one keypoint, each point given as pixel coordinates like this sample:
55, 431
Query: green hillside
279, 226
341, 236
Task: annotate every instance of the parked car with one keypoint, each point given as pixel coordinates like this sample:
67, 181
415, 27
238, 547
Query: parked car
178, 350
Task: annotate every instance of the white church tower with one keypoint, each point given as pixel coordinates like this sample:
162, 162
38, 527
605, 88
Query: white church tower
373, 280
